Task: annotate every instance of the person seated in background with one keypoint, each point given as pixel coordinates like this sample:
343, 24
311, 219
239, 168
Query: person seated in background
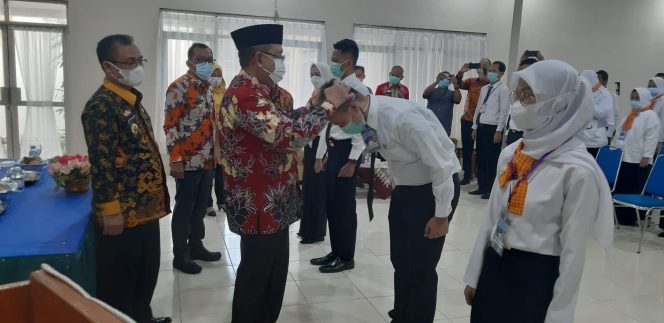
656, 87
549, 197
441, 100
359, 72
393, 86
474, 86
595, 135
637, 136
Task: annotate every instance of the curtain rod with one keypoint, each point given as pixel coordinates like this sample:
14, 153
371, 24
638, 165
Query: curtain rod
219, 14
419, 29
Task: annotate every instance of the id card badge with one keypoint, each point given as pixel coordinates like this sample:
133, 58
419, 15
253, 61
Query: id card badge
500, 232
622, 135
371, 140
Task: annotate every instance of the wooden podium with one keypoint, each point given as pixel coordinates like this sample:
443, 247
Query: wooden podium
45, 298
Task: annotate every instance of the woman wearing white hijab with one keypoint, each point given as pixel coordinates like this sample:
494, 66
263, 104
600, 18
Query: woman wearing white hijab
528, 259
656, 88
596, 135
314, 218
637, 136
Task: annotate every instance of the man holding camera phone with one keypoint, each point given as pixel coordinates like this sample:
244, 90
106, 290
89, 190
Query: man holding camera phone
473, 85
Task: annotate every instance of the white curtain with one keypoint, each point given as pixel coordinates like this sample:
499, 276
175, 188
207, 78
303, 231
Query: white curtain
39, 56
303, 46
422, 53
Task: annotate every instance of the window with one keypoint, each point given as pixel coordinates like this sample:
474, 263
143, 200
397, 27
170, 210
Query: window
422, 53
303, 46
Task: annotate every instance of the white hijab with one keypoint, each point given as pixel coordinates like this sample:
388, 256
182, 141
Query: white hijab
324, 70
591, 76
659, 82
644, 96
569, 110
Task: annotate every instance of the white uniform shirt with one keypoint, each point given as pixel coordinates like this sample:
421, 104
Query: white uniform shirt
497, 107
416, 147
557, 220
338, 134
641, 140
595, 134
659, 109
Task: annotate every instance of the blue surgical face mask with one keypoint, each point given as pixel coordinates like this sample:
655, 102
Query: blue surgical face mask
355, 128
204, 70
444, 84
492, 77
336, 70
654, 91
635, 105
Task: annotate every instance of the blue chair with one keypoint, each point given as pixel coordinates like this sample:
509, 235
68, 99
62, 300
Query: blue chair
650, 200
609, 160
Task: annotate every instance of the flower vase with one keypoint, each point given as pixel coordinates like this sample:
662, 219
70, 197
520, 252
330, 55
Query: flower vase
78, 185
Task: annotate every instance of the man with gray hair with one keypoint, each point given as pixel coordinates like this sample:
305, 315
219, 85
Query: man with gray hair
393, 86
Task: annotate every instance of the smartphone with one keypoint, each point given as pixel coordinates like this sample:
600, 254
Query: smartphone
532, 53
473, 66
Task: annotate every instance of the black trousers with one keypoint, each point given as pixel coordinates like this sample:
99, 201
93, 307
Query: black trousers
631, 180
340, 202
468, 145
191, 201
413, 256
314, 220
127, 269
218, 187
487, 156
518, 277
593, 151
261, 278
513, 136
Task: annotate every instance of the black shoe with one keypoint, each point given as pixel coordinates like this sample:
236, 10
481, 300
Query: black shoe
661, 235
201, 253
161, 320
322, 261
310, 241
187, 266
336, 266
476, 192
486, 196
465, 181
211, 213
392, 314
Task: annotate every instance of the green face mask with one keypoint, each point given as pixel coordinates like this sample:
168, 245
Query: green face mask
355, 128
394, 81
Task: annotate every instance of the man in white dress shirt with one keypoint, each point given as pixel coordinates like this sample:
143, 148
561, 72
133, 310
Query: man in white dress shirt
488, 124
613, 122
596, 135
424, 167
343, 151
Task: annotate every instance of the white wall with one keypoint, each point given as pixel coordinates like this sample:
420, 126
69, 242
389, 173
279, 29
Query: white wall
622, 37
90, 20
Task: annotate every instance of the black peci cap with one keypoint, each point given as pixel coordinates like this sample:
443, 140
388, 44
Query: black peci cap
258, 35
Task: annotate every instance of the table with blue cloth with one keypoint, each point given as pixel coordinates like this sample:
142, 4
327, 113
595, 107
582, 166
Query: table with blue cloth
44, 226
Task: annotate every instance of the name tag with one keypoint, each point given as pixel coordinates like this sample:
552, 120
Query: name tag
371, 140
500, 232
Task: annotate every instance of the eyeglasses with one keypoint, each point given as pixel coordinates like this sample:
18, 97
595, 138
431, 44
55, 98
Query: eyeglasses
131, 63
525, 96
206, 60
274, 55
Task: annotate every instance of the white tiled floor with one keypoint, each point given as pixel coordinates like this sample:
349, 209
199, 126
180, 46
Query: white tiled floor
620, 287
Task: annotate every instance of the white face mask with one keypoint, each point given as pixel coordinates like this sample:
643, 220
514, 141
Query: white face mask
279, 69
317, 81
216, 81
527, 117
131, 78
